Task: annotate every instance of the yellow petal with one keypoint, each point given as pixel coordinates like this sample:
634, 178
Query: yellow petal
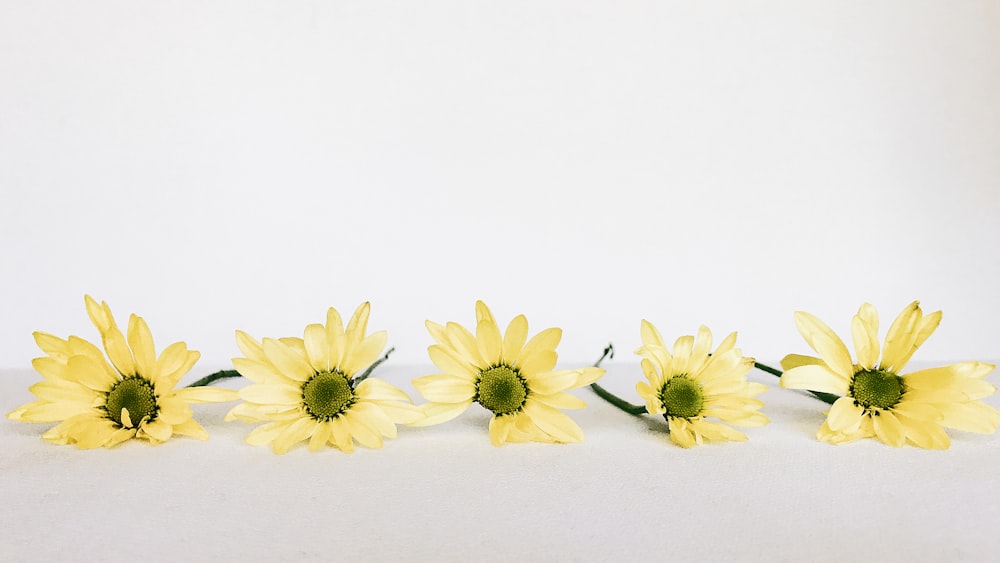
140, 339
539, 362
445, 388
335, 338
561, 401
292, 434
650, 336
500, 427
553, 422
317, 349
192, 429
270, 394
375, 389
864, 330
888, 429
701, 350
815, 378
925, 327
320, 436
844, 415
825, 342
463, 345
547, 340
436, 413
365, 353
552, 381
489, 341
795, 360
899, 339
288, 362
682, 354
250, 347
447, 361
207, 394
357, 328
483, 313
514, 338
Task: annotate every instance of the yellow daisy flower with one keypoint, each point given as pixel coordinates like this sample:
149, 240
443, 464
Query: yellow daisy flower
509, 375
104, 405
878, 399
692, 384
311, 388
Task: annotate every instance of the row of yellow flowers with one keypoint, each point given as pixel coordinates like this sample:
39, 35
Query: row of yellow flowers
318, 388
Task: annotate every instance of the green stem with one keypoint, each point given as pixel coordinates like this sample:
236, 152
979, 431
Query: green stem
211, 378
828, 398
372, 367
609, 352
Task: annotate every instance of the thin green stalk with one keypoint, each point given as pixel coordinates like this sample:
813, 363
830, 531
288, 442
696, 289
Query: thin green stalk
212, 378
372, 367
828, 398
636, 410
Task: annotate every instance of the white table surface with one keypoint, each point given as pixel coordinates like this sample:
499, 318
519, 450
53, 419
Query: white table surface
445, 494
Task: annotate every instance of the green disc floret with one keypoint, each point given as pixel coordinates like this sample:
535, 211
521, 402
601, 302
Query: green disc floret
501, 389
327, 395
134, 394
876, 388
682, 397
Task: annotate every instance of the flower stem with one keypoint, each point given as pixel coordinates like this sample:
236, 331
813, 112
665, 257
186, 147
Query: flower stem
372, 367
828, 398
211, 378
609, 352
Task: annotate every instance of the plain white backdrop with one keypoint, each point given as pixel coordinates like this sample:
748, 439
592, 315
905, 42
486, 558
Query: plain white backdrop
222, 165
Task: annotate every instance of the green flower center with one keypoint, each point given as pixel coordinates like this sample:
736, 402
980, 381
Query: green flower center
681, 397
501, 389
327, 395
876, 388
134, 394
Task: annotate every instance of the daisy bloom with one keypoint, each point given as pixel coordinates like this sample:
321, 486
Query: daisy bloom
878, 399
691, 384
102, 404
509, 375
307, 389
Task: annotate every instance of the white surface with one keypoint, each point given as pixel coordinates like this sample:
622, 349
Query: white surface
445, 494
215, 165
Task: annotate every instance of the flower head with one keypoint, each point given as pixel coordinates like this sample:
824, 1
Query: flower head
102, 404
692, 384
878, 399
509, 375
307, 388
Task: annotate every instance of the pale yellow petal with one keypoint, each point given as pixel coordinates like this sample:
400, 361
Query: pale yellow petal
271, 394
207, 394
335, 338
317, 348
140, 339
463, 345
365, 353
373, 416
357, 328
192, 429
489, 341
844, 415
553, 422
650, 335
701, 350
90, 373
796, 360
250, 347
287, 361
436, 413
925, 327
375, 389
815, 378
362, 430
447, 361
899, 339
682, 354
540, 361
320, 436
483, 313
560, 400
547, 340
297, 431
888, 429
500, 427
514, 338
552, 381
825, 342
445, 388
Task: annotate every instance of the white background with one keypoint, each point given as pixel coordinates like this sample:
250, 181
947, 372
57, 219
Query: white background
223, 165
